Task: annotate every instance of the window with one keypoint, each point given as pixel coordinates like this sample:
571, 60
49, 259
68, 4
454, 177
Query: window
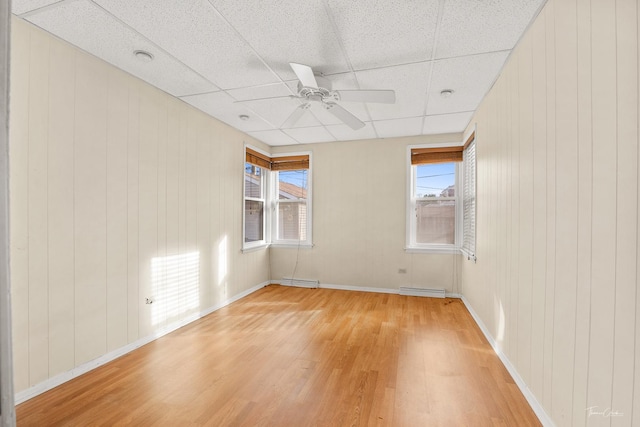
277, 192
291, 211
291, 222
469, 199
433, 203
254, 202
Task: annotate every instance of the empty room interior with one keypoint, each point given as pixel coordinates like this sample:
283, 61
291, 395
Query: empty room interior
322, 212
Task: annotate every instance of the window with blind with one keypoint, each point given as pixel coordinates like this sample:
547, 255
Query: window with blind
469, 199
291, 210
433, 202
254, 204
283, 184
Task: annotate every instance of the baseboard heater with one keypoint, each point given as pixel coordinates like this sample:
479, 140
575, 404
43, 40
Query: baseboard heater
300, 283
423, 292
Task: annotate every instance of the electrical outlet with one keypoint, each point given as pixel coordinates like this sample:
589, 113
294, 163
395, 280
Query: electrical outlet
402, 270
148, 300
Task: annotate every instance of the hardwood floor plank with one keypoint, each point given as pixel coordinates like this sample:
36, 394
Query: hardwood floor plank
301, 357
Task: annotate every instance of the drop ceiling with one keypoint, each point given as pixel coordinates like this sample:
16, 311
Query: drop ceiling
214, 53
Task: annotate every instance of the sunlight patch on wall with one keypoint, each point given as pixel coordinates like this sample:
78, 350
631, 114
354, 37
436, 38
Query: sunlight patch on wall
222, 260
175, 286
223, 268
501, 324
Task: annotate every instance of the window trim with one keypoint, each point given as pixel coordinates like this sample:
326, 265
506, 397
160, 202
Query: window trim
270, 188
308, 242
264, 243
434, 248
470, 252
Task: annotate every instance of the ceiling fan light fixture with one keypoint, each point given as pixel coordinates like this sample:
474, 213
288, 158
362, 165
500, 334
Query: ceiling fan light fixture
446, 93
143, 55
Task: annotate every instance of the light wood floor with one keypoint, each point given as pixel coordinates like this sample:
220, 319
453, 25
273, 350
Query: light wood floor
301, 357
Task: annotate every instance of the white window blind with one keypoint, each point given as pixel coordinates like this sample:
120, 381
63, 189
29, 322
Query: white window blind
469, 201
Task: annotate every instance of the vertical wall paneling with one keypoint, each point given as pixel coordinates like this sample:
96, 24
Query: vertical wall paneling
513, 193
539, 221
574, 186
550, 266
585, 200
117, 138
163, 278
60, 212
635, 410
627, 201
191, 189
37, 214
605, 156
525, 207
7, 407
172, 202
203, 215
148, 209
133, 210
19, 207
566, 204
90, 183
112, 192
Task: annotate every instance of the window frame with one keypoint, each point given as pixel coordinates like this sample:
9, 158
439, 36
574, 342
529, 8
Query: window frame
265, 199
270, 199
470, 179
411, 224
275, 202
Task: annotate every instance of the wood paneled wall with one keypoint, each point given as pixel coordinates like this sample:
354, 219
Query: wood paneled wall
556, 278
359, 220
107, 175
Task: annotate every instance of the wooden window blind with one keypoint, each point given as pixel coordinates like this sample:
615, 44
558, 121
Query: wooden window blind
284, 163
420, 156
257, 159
289, 163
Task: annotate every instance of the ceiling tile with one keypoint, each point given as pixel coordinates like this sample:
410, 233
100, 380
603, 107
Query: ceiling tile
469, 27
263, 91
195, 34
446, 123
222, 106
310, 134
470, 77
77, 22
408, 81
274, 137
377, 33
343, 132
277, 111
284, 31
23, 6
399, 127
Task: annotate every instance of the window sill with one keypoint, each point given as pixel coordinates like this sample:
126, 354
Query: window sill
470, 256
292, 245
255, 248
432, 250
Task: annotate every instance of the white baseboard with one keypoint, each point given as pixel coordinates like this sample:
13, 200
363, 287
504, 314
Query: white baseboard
533, 402
59, 379
358, 288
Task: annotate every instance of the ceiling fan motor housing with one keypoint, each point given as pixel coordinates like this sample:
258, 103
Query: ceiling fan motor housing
322, 92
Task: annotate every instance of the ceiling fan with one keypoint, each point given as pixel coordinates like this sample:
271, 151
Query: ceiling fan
316, 89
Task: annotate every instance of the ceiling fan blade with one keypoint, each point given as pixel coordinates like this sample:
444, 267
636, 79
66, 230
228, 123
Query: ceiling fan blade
349, 119
263, 99
305, 75
379, 96
295, 116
